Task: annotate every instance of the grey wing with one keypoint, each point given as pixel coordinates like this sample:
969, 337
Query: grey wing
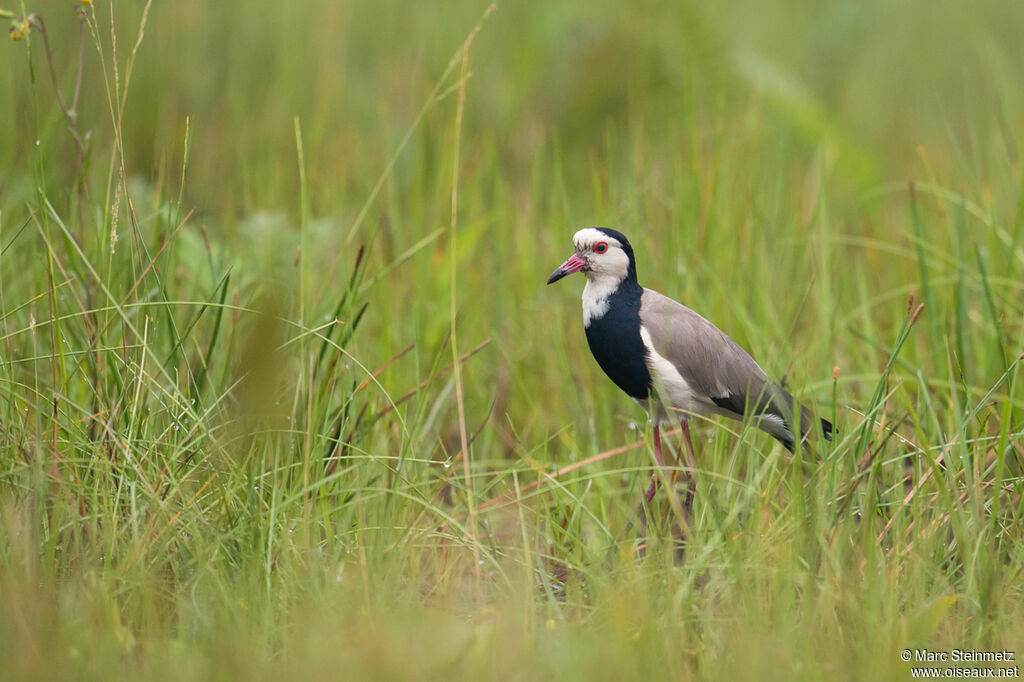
713, 364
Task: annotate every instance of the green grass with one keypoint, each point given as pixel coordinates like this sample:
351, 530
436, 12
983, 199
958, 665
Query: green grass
231, 430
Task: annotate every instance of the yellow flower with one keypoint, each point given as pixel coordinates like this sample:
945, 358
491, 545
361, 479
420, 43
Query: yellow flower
19, 29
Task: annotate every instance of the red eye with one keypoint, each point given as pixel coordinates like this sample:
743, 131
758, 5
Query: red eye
600, 247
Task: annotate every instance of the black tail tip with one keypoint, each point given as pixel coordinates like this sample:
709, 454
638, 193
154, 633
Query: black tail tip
827, 429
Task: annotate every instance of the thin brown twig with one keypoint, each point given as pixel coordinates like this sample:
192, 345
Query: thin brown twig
924, 479
426, 382
40, 25
81, 60
156, 256
398, 356
865, 462
70, 113
448, 473
459, 395
988, 460
569, 468
944, 517
67, 278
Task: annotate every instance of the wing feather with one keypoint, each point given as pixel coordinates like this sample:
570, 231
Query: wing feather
717, 368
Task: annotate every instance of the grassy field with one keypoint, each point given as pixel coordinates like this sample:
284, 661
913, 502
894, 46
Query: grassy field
284, 395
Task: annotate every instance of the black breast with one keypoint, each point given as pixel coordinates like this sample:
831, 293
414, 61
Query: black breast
615, 341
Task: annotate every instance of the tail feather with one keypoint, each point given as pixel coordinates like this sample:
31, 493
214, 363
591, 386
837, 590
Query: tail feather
827, 429
774, 410
806, 418
783, 407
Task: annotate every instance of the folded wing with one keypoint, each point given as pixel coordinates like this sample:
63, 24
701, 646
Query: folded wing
719, 371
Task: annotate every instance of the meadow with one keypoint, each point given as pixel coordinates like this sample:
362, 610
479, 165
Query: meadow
285, 396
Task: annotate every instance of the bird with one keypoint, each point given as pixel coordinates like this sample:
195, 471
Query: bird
671, 360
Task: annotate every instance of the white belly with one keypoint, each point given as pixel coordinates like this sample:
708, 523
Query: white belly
676, 397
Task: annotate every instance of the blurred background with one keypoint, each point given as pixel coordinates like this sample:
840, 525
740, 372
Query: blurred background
793, 170
880, 82
693, 127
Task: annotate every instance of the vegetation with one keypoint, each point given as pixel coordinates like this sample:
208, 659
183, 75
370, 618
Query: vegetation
284, 394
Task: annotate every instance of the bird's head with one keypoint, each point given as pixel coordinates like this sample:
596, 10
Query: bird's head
601, 254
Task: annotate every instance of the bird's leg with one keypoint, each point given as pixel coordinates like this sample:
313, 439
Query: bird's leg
691, 466
661, 463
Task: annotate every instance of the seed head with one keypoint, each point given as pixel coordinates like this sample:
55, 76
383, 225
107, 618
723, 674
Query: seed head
20, 28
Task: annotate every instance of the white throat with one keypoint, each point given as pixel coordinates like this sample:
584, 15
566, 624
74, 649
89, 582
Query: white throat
595, 295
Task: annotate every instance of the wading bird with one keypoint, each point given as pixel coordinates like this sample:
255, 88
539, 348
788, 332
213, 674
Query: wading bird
670, 360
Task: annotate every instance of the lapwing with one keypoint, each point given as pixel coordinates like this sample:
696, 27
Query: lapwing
670, 360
